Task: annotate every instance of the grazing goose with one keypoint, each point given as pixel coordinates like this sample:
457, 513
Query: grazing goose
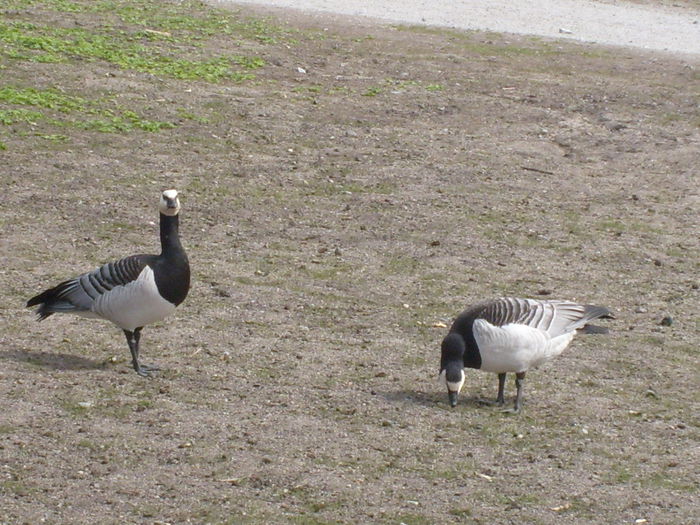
131, 292
511, 335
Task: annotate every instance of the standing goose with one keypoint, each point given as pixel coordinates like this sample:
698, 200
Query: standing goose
131, 292
511, 335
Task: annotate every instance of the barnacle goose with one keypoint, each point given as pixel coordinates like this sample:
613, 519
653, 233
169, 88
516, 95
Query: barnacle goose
131, 292
511, 335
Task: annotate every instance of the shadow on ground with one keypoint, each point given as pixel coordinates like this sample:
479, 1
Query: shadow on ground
54, 361
437, 398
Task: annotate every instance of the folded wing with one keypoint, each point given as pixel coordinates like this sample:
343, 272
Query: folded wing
553, 317
79, 294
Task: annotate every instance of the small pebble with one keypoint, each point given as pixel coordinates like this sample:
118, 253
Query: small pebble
666, 321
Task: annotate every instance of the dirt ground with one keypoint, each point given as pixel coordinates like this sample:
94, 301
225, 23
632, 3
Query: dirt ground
339, 209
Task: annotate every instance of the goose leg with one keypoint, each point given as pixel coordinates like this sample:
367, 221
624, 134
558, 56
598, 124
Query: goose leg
132, 339
519, 378
500, 401
147, 368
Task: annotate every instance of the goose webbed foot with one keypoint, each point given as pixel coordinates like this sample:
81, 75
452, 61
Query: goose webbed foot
491, 402
145, 370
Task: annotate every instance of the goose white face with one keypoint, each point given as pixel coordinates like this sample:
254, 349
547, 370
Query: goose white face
169, 203
454, 385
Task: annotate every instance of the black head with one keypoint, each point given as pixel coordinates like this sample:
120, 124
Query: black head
452, 365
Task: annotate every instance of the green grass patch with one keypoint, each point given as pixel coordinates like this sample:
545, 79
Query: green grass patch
16, 488
372, 91
401, 265
125, 122
670, 480
188, 115
90, 445
54, 137
327, 271
13, 116
619, 474
306, 519
49, 99
461, 512
54, 44
188, 20
182, 20
619, 226
330, 189
94, 115
160, 38
75, 408
307, 89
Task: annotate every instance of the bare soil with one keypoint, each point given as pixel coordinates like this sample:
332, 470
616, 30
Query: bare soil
339, 210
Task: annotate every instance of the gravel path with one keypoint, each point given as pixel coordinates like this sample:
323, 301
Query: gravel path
669, 28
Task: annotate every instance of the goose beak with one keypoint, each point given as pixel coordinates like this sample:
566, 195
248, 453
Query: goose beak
452, 394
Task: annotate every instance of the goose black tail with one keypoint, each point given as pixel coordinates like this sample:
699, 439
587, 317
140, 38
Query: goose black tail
50, 302
597, 312
42, 299
592, 312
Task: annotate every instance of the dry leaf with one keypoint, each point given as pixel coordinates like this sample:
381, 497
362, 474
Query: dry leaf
561, 507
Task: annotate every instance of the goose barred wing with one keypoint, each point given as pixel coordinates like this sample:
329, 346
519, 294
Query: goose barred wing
79, 294
553, 317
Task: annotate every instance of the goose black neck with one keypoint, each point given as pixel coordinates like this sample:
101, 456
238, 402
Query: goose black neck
170, 234
472, 355
464, 326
